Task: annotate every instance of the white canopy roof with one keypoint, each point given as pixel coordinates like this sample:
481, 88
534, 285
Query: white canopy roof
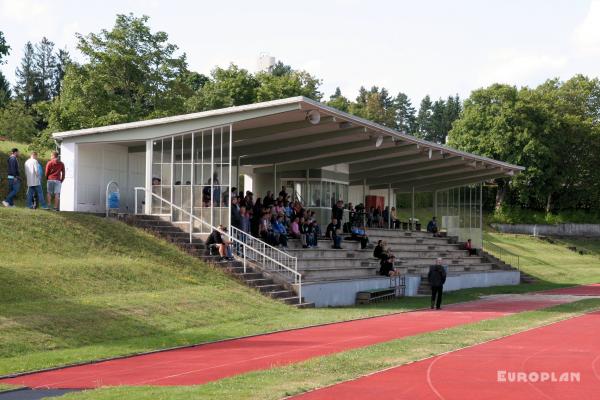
278, 133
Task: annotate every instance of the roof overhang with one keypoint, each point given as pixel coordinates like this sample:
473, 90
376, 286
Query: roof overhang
278, 133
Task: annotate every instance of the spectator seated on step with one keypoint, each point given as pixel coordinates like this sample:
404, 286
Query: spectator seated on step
314, 231
280, 231
379, 252
469, 247
332, 232
295, 228
432, 227
386, 266
359, 234
218, 241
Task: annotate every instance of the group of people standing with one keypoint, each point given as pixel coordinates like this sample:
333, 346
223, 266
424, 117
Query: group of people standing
54, 172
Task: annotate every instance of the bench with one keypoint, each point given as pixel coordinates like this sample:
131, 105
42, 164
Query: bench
373, 295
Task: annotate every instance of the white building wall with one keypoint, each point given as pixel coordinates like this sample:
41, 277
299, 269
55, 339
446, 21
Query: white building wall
97, 165
68, 195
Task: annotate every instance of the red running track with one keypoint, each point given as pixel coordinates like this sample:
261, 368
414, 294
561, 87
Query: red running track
204, 363
487, 371
583, 290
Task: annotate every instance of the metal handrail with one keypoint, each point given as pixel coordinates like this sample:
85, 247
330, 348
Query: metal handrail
502, 254
253, 249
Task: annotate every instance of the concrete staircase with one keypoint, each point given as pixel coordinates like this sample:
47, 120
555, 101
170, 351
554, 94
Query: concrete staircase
178, 233
414, 251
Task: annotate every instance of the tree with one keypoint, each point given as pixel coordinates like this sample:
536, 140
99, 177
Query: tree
228, 87
376, 105
286, 83
5, 92
437, 122
131, 74
4, 47
406, 120
280, 69
27, 78
552, 130
337, 100
45, 70
16, 123
63, 59
424, 123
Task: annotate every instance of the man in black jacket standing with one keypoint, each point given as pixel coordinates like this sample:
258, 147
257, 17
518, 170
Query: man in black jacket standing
437, 278
14, 178
337, 212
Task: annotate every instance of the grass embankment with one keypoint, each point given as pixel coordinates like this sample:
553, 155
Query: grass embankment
277, 383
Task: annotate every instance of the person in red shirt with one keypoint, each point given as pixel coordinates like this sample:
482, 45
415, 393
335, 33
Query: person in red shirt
55, 174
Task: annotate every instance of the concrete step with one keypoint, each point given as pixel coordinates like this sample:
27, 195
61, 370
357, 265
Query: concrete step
281, 294
336, 273
424, 269
270, 288
258, 282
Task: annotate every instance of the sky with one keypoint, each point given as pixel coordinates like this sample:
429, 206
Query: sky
433, 47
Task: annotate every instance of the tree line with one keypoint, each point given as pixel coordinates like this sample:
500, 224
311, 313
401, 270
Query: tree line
131, 73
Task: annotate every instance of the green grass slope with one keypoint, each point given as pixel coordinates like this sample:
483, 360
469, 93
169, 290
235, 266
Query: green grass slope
553, 263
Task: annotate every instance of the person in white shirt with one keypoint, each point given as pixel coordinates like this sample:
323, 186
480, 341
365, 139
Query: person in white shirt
33, 173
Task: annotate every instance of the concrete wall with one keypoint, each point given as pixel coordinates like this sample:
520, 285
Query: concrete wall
343, 293
592, 230
482, 279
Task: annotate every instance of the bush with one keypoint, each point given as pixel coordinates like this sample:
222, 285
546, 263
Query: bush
16, 123
517, 215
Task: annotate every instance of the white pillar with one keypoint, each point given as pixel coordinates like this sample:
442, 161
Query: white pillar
389, 205
275, 186
413, 225
148, 180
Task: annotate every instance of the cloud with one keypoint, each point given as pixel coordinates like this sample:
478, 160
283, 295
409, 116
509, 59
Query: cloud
23, 10
519, 67
587, 34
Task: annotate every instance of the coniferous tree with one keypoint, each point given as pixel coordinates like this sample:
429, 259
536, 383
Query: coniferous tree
45, 68
424, 125
337, 100
5, 92
406, 119
438, 122
63, 59
26, 88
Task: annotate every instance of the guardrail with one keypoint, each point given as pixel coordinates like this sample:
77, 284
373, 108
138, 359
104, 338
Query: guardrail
247, 247
501, 253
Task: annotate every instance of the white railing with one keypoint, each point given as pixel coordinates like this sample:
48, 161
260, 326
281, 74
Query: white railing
269, 256
247, 248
